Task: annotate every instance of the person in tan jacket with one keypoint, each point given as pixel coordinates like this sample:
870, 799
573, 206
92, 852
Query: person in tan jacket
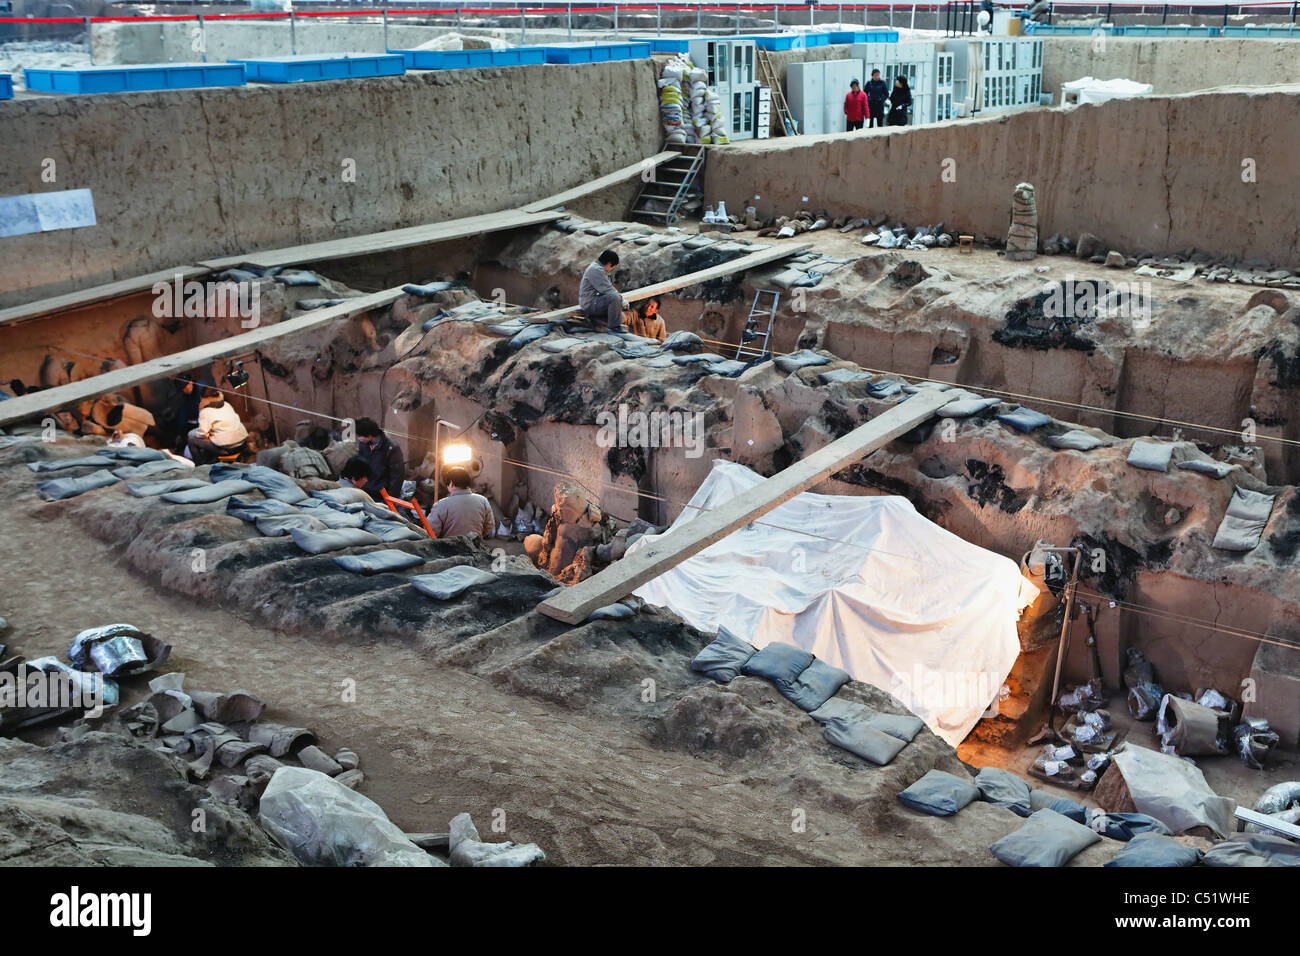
646, 321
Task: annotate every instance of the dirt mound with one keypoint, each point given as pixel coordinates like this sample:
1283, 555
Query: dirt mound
102, 800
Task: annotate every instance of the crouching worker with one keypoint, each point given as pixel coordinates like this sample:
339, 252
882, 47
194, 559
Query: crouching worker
356, 474
462, 511
220, 432
647, 322
597, 297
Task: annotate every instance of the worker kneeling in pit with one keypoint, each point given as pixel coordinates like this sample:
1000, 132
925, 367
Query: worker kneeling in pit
597, 297
462, 511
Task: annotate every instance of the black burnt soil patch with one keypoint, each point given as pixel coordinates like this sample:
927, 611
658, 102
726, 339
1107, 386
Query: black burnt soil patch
1030, 326
1110, 565
1288, 366
1285, 544
722, 290
626, 461
989, 487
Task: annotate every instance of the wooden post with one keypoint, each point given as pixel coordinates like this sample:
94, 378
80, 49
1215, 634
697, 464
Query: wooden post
574, 604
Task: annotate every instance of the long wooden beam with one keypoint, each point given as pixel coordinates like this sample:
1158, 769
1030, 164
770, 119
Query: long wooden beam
574, 604
602, 182
387, 241
17, 409
751, 261
100, 293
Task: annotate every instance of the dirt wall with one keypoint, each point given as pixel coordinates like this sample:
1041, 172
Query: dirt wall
1120, 170
187, 175
1171, 64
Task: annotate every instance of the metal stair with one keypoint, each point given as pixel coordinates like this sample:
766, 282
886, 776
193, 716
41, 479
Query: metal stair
768, 75
750, 331
661, 199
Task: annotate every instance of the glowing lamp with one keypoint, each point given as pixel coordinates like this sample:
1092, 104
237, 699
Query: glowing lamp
457, 453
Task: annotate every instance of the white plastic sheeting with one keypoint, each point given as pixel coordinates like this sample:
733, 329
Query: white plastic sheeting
869, 586
1091, 90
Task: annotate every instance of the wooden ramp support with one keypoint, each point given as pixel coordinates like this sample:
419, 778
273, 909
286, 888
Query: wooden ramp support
603, 182
50, 399
751, 261
573, 605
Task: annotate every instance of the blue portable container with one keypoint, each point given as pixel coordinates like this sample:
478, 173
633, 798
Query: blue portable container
134, 79
332, 66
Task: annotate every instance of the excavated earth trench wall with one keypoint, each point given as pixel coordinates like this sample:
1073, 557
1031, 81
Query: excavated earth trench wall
1136, 173
186, 175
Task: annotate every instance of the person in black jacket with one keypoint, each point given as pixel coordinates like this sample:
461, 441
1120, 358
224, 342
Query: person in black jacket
900, 102
382, 457
877, 94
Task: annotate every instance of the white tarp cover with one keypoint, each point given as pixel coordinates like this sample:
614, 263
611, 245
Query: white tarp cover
871, 587
1092, 90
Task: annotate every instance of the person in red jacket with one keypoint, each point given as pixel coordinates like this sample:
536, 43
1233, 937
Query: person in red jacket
855, 107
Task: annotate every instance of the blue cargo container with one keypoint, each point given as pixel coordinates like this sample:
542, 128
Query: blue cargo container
1289, 30
134, 79
598, 52
460, 59
1167, 30
333, 66
6, 86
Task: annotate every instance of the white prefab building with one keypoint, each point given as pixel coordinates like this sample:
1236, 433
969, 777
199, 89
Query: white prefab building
998, 73
815, 93
730, 65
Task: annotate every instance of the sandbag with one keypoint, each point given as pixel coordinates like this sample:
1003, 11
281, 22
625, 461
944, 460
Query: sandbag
1215, 469
277, 526
1045, 839
780, 663
209, 492
390, 531
247, 509
1004, 789
940, 794
159, 467
1024, 419
349, 499
1124, 826
1155, 850
274, 484
374, 562
1075, 440
333, 516
816, 684
448, 584
1244, 523
1253, 849
724, 657
56, 489
332, 539
323, 823
1152, 456
151, 489
856, 736
63, 464
801, 359
132, 453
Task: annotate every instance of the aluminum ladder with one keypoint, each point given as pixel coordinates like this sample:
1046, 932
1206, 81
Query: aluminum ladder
773, 82
750, 332
662, 197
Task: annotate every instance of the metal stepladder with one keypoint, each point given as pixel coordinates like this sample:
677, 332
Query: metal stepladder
770, 78
750, 331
